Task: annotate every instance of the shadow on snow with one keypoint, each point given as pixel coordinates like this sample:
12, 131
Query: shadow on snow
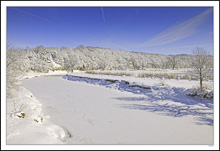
202, 114
179, 103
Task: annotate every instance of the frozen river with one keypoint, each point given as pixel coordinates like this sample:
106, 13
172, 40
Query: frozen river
93, 114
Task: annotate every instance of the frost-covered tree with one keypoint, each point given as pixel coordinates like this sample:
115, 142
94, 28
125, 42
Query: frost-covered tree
202, 64
43, 59
134, 63
172, 60
15, 66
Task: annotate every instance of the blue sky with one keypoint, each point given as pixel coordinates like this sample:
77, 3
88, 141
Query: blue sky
161, 30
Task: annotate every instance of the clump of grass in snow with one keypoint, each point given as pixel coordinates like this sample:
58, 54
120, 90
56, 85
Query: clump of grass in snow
39, 120
147, 75
158, 75
58, 68
110, 73
21, 115
36, 120
18, 113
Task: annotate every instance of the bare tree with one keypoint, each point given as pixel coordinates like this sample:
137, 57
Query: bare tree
134, 63
202, 64
10, 46
12, 56
172, 60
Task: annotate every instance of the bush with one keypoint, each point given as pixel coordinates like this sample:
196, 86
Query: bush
199, 93
58, 68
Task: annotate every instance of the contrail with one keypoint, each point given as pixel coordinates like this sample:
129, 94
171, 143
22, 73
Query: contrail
179, 31
103, 16
34, 15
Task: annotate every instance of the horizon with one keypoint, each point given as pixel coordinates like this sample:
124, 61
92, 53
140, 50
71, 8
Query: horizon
155, 30
100, 48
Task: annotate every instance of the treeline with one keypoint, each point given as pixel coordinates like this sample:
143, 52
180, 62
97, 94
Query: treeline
43, 59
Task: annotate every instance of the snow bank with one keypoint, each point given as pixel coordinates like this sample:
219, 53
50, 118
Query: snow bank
199, 93
142, 85
187, 84
26, 121
109, 83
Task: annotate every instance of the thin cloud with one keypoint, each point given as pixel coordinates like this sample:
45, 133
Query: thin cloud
206, 46
103, 16
44, 19
179, 31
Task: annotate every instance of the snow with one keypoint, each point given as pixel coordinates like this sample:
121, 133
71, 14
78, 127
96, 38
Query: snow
88, 111
148, 81
161, 114
155, 93
181, 71
55, 64
80, 108
27, 123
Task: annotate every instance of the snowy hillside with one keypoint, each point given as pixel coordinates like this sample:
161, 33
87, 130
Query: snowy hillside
42, 59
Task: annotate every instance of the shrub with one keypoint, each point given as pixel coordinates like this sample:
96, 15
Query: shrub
58, 68
199, 93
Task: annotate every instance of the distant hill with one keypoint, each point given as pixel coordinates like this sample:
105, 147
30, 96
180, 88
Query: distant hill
43, 59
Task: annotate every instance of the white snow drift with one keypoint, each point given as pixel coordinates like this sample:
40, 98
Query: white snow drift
88, 111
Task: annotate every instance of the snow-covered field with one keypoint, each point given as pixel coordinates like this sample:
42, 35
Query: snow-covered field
189, 84
81, 108
181, 71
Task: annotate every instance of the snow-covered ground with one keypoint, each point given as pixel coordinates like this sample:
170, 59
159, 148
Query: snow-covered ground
187, 84
181, 71
79, 108
170, 97
27, 123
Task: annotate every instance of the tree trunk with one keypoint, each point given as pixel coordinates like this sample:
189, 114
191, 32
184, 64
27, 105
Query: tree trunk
200, 78
201, 84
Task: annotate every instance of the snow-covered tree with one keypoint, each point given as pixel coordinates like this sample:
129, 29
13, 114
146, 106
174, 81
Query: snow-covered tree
172, 60
202, 64
42, 59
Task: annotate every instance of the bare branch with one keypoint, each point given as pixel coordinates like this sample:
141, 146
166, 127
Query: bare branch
201, 63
